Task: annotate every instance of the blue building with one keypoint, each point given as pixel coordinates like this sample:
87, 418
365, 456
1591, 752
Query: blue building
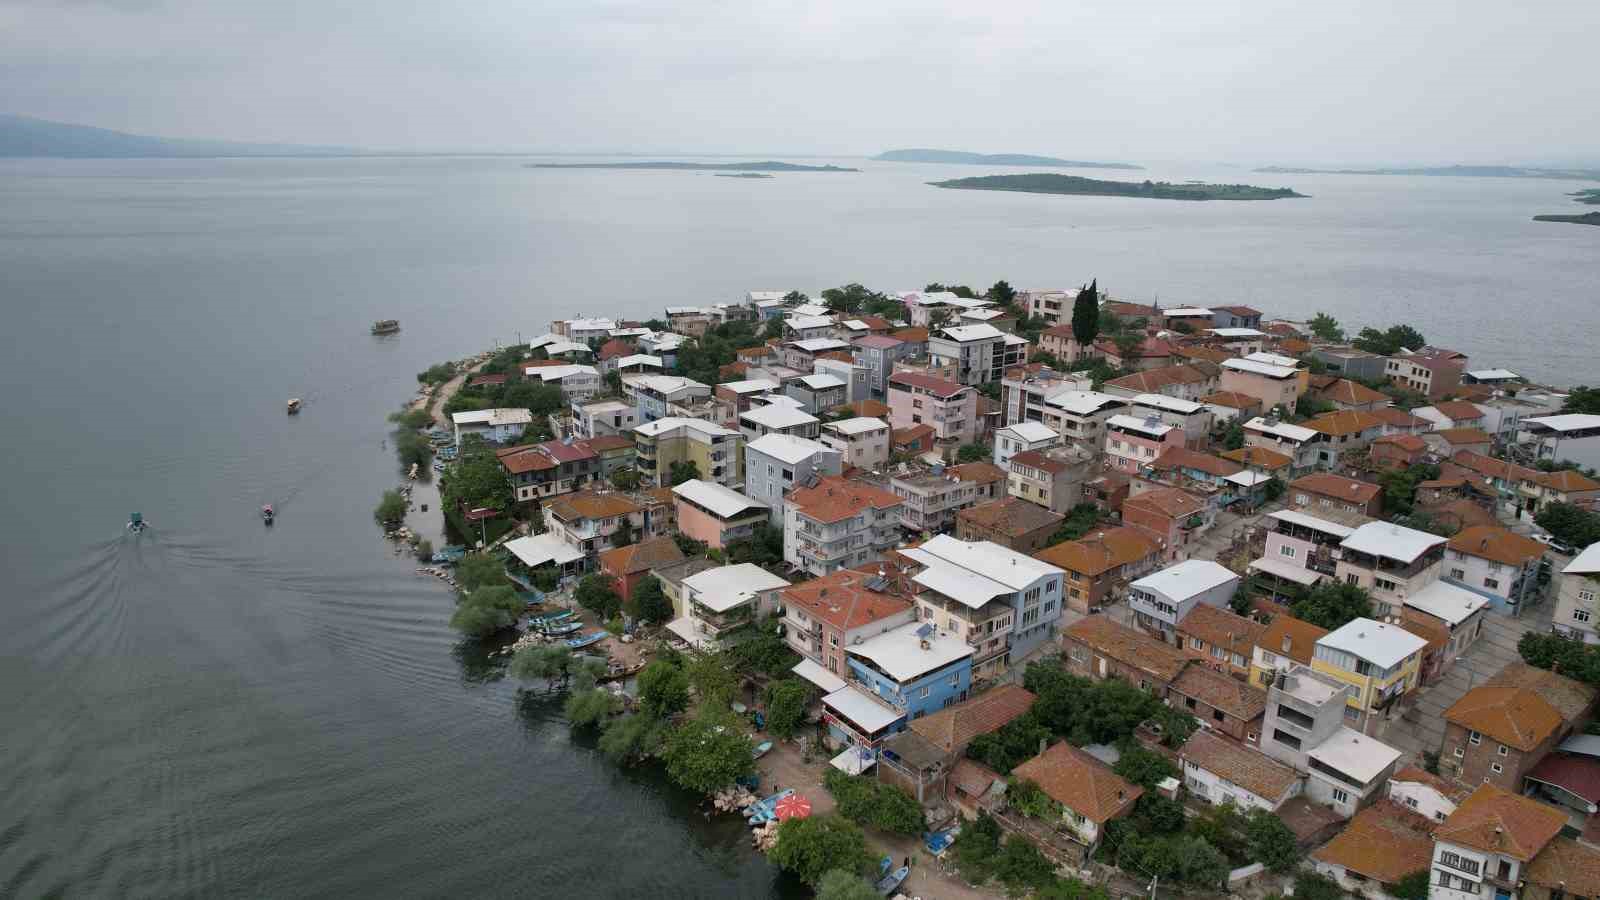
897, 676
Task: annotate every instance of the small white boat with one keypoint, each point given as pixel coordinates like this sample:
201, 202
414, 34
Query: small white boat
294, 405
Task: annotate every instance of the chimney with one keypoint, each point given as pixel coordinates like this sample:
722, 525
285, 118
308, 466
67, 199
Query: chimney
1287, 642
1044, 744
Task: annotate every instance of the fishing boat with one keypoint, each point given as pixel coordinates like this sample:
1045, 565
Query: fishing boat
621, 673
759, 812
761, 749
267, 515
136, 522
386, 326
550, 618
592, 638
889, 882
562, 630
294, 405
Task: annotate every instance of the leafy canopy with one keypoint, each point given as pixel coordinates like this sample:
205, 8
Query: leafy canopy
705, 760
813, 846
1333, 603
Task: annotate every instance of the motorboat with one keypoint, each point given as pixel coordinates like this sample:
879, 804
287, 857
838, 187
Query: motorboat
136, 522
267, 515
294, 405
386, 326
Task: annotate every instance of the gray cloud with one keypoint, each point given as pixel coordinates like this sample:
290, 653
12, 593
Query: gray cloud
1364, 81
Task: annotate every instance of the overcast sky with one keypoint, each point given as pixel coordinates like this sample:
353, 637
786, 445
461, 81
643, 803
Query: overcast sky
1350, 81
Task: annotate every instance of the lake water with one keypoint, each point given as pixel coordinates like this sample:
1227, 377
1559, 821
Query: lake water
216, 708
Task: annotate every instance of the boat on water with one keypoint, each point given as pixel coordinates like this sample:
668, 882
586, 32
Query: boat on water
386, 326
294, 405
136, 522
267, 514
594, 638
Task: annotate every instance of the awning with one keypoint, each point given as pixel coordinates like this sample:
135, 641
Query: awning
862, 711
544, 548
854, 760
811, 671
684, 628
1286, 571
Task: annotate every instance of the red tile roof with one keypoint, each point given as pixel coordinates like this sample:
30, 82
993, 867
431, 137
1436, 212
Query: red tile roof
877, 341
1182, 457
1338, 487
1578, 775
1459, 410
1247, 767
939, 387
1080, 782
1168, 501
954, 727
1013, 516
1219, 691
1496, 544
1494, 820
980, 472
1099, 551
835, 499
641, 557
844, 601
1384, 842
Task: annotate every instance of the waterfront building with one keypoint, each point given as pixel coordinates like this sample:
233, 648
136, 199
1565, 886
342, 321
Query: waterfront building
915, 668
718, 515
627, 566
497, 426
826, 615
1431, 371
549, 469
726, 600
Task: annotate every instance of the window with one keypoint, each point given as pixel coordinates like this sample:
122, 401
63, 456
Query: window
1268, 658
1196, 644
923, 693
1474, 738
1189, 702
1586, 596
1493, 583
1503, 750
1340, 795
954, 679
1411, 802
1497, 768
1287, 551
1217, 652
1457, 861
1580, 615
1459, 752
1458, 574
1218, 715
1352, 578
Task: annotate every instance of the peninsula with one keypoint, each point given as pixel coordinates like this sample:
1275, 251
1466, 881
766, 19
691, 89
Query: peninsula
961, 157
1445, 171
1591, 218
1044, 183
764, 166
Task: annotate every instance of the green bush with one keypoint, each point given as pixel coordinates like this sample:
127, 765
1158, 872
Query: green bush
663, 689
786, 700
632, 737
391, 509
587, 709
867, 801
814, 846
424, 550
704, 760
485, 611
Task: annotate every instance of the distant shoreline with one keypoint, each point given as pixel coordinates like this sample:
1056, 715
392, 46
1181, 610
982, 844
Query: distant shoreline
1444, 172
762, 166
1589, 218
964, 158
1049, 183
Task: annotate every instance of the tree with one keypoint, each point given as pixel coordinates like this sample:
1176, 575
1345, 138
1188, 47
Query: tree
679, 472
625, 479
1333, 603
650, 603
1390, 341
477, 570
476, 479
1400, 486
663, 689
838, 884
1573, 659
1086, 315
1569, 524
1311, 886
713, 681
1145, 768
485, 611
632, 737
849, 298
1274, 489
813, 846
972, 453
786, 700
1270, 842
623, 536
391, 509
1582, 399
703, 759
1411, 887
548, 662
1233, 437
1002, 293
866, 801
1326, 327
587, 709
595, 593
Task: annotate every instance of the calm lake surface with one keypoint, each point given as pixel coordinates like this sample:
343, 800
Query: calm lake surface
216, 708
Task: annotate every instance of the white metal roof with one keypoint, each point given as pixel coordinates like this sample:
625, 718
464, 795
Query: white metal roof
777, 415
1274, 359
670, 384
1445, 601
758, 296
726, 587
859, 707
856, 325
1258, 368
1494, 375
721, 500
1186, 579
539, 549
972, 333
857, 425
783, 400
711, 429
1378, 643
821, 381
968, 302
1391, 541
640, 359
628, 332
801, 323
1282, 429
1187, 311
820, 345
752, 386
557, 373
981, 315
1285, 569
1170, 404
504, 416
1567, 422
1295, 517
1082, 403
786, 447
684, 310
1013, 340
1585, 563
811, 671
591, 324
1032, 431
1353, 753
560, 347
1248, 478
1135, 423
549, 337
966, 587
811, 309
991, 561
901, 656
1237, 332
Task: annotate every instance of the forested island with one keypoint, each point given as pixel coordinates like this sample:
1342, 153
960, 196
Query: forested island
1046, 183
1447, 171
1592, 218
764, 166
961, 157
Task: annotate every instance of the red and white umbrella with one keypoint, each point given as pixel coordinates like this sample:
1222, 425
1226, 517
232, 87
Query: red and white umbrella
793, 806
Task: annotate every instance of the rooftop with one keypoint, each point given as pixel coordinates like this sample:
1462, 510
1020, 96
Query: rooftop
1282, 429
1247, 767
777, 415
1345, 422
1231, 399
787, 448
1496, 544
834, 499
750, 386
1032, 432
726, 587
1327, 484
1080, 782
1494, 820
1169, 501
848, 599
1001, 564
1566, 423
1221, 691
1446, 602
1169, 404
1378, 643
1258, 457
592, 505
1355, 754
912, 650
980, 472
1011, 515
821, 345
1384, 842
1354, 393
1222, 627
939, 387
672, 423
857, 425
1391, 541
862, 708
493, 417
1099, 551
1567, 864
641, 557
1585, 563
1252, 367
719, 500
1128, 646
1083, 403
955, 726
1287, 636
964, 333
1153, 380
1152, 426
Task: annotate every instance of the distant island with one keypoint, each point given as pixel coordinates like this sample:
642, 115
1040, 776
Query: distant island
741, 175
1447, 171
1591, 218
766, 166
1590, 196
22, 136
1046, 183
962, 157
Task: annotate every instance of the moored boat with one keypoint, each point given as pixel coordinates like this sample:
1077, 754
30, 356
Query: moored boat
294, 405
267, 514
761, 749
386, 326
136, 522
579, 643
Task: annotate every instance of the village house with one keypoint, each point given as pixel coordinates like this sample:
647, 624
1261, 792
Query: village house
1098, 647
1222, 703
593, 521
716, 514
497, 426
1349, 395
1431, 373
862, 441
828, 614
837, 524
921, 759
1451, 414
1398, 421
1235, 341
716, 452
916, 440
1051, 478
725, 600
1482, 848
1221, 481
1351, 363
1172, 516
1377, 660
1565, 486
1025, 388
1344, 431
1390, 561
1100, 565
1426, 794
1499, 730
1302, 445
1286, 643
627, 566
1022, 436
1003, 603
1322, 491
1577, 586
1447, 442
1090, 794
1150, 353
949, 408
932, 498
1565, 868
1160, 601
1498, 564
1011, 522
1274, 384
1304, 727
1220, 639
1377, 849
1132, 441
988, 481
1231, 406
1397, 451
1261, 461
1220, 771
807, 327
1456, 610
802, 355
1186, 382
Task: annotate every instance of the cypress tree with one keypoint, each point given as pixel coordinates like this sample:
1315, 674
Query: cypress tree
1086, 314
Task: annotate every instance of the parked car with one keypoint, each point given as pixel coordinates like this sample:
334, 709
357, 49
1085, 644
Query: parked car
1558, 546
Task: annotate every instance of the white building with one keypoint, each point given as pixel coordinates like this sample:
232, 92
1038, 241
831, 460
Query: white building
1576, 615
1194, 418
979, 353
778, 418
1392, 562
1220, 771
1080, 416
604, 417
577, 383
862, 441
1574, 436
1297, 442
1425, 794
721, 600
1162, 599
583, 329
1347, 769
1014, 439
498, 426
1457, 609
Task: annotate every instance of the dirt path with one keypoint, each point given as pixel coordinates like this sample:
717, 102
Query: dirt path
441, 395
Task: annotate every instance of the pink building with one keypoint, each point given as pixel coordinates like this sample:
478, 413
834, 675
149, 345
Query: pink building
717, 515
950, 409
1132, 442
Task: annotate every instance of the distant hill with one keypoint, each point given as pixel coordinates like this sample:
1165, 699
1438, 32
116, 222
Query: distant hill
765, 166
1450, 171
24, 136
1051, 183
993, 159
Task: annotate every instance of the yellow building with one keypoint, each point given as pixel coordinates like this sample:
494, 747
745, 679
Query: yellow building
1380, 661
717, 452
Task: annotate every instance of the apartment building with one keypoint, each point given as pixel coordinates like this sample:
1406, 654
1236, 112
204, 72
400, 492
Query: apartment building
1186, 382
878, 355
604, 417
828, 614
592, 521
932, 498
1391, 562
1053, 306
1302, 445
726, 600
1020, 436
1577, 586
1275, 385
1192, 417
716, 452
1100, 565
862, 441
1500, 565
1052, 478
819, 393
778, 415
1219, 638
1012, 523
549, 469
914, 668
1024, 389
1431, 373
775, 464
1174, 517
1302, 549
740, 394
1377, 660
979, 353
837, 524
1132, 441
655, 393
1162, 599
718, 515
949, 408
1304, 727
